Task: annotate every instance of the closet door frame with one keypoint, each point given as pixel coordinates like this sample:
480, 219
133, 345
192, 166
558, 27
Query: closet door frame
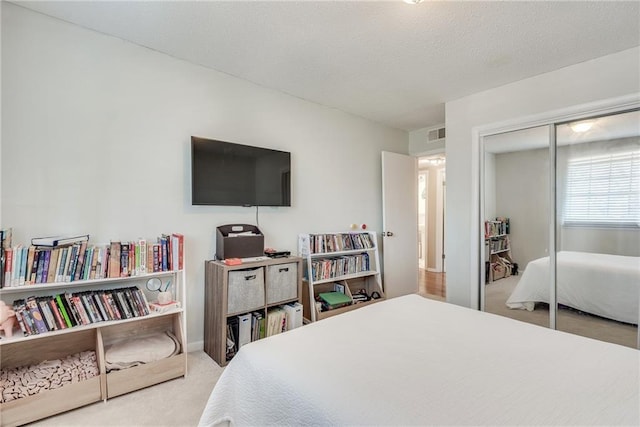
549, 119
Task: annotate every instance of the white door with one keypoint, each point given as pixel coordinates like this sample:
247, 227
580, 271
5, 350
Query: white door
399, 224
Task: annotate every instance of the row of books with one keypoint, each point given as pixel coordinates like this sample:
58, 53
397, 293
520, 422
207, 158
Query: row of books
38, 315
82, 261
327, 268
498, 227
323, 243
249, 327
499, 245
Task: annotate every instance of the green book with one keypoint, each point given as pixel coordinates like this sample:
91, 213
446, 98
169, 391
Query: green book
63, 311
335, 299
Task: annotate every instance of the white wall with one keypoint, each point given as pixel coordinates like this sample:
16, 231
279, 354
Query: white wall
96, 139
607, 77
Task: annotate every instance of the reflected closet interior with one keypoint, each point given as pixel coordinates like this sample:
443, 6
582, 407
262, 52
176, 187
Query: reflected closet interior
561, 226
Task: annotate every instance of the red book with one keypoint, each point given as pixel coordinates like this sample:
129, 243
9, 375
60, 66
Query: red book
8, 256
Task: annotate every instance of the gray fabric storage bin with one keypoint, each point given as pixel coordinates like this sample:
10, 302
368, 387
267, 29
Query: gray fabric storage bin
282, 282
246, 290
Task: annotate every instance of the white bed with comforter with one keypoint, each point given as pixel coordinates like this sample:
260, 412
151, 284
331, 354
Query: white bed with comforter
414, 361
601, 284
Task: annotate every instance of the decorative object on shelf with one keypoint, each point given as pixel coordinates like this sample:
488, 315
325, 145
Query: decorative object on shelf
7, 319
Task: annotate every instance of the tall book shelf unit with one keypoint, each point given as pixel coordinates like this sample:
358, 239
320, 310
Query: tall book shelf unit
348, 262
497, 248
20, 351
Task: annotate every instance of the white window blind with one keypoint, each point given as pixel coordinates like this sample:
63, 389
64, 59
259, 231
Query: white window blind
604, 190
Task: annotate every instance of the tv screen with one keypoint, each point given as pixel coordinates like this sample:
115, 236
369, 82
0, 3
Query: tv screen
228, 174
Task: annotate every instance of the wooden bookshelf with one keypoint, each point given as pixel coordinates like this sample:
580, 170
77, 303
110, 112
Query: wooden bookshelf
350, 259
21, 351
497, 249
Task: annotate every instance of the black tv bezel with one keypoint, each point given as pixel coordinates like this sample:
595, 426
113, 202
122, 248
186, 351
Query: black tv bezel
196, 139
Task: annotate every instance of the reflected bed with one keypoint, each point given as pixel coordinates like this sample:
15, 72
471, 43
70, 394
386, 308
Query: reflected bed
601, 284
415, 361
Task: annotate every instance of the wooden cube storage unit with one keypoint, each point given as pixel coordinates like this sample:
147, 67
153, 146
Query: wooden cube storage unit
244, 288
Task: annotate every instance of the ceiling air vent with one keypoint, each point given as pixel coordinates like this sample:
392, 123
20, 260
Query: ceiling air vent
436, 134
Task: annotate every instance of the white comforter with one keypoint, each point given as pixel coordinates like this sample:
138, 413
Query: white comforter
601, 284
414, 361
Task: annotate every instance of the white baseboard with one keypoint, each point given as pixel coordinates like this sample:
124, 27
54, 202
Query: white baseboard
195, 346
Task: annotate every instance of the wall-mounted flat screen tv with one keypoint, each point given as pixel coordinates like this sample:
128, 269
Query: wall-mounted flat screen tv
228, 174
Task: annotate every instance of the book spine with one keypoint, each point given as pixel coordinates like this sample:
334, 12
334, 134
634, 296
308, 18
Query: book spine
77, 275
180, 250
47, 316
15, 267
80, 308
86, 268
156, 257
124, 260
70, 306
142, 244
63, 311
53, 304
53, 262
40, 268
8, 255
114, 259
97, 300
114, 306
105, 303
163, 260
24, 253
61, 264
36, 315
73, 263
149, 257
95, 254
131, 265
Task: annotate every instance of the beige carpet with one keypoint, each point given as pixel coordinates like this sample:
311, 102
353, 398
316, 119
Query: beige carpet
497, 293
177, 402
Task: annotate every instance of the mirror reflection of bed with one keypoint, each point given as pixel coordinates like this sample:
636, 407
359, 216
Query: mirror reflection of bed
569, 319
597, 231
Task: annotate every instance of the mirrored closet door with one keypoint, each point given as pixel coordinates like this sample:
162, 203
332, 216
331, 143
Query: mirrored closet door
597, 227
578, 269
515, 223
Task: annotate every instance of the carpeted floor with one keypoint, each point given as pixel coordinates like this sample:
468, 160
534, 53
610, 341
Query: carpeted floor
497, 293
173, 403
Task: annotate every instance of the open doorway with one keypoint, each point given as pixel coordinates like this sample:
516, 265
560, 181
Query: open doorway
431, 213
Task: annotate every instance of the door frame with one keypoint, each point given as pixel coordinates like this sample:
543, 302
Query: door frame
423, 238
440, 216
440, 265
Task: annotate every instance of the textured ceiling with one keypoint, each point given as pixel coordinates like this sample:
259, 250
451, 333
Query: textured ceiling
386, 61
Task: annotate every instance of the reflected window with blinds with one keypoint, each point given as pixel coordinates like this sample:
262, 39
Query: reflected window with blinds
603, 190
